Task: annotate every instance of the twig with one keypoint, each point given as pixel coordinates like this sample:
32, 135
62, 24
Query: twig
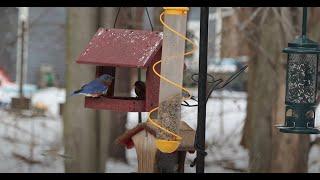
235, 169
315, 142
26, 159
250, 19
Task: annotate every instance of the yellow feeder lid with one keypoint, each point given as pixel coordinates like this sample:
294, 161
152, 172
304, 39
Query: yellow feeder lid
176, 10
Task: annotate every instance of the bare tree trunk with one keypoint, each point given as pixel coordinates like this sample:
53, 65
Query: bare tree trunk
79, 123
104, 16
240, 46
313, 23
82, 130
261, 114
290, 152
234, 43
156, 19
130, 18
270, 150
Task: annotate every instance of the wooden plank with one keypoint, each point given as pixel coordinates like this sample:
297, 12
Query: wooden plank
153, 85
146, 151
129, 104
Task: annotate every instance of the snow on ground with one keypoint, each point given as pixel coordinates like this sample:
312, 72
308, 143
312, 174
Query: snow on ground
314, 158
224, 124
25, 141
53, 96
12, 90
17, 134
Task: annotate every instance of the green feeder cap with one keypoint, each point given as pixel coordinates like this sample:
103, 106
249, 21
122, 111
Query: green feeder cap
302, 45
299, 130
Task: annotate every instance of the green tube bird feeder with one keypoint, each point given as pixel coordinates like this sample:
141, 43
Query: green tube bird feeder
301, 84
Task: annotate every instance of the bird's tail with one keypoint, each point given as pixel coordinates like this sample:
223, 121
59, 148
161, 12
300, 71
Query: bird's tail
74, 93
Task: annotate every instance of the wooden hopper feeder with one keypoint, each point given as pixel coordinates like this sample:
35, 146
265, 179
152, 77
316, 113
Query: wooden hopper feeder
111, 48
142, 137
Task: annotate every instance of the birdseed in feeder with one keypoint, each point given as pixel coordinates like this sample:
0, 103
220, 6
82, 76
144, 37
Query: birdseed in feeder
169, 116
301, 78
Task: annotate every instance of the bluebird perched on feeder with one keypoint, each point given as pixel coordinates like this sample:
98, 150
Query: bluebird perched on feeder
96, 87
140, 89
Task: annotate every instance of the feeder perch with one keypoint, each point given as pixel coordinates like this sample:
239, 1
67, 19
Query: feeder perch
143, 138
111, 48
301, 84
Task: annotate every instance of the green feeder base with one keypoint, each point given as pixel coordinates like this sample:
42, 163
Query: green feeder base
298, 130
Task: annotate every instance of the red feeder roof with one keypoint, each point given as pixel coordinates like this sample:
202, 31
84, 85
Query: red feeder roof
122, 48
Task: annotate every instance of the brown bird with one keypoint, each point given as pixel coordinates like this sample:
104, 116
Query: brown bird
140, 89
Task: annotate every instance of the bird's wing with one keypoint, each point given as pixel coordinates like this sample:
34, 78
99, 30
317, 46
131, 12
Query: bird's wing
94, 87
83, 86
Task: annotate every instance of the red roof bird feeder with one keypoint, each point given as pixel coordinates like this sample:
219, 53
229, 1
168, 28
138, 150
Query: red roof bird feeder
111, 48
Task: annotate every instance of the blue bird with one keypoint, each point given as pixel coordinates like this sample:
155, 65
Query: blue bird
96, 87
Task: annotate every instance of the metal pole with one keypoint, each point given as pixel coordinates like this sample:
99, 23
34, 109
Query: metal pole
201, 124
304, 21
21, 60
139, 79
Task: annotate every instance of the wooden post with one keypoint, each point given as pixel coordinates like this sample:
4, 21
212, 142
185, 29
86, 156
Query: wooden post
22, 54
146, 150
81, 139
21, 102
169, 114
123, 84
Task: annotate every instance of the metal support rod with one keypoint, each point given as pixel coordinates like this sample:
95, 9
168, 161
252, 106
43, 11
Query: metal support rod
139, 113
21, 60
304, 21
202, 86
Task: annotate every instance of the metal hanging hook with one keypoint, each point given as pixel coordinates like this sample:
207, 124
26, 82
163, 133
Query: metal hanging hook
304, 21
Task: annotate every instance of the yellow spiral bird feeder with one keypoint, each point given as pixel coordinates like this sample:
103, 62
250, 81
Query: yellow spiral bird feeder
169, 146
